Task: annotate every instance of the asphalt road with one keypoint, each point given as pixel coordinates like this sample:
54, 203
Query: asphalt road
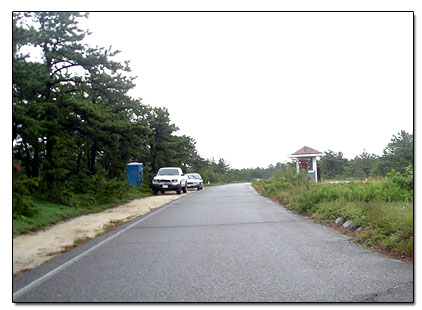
222, 244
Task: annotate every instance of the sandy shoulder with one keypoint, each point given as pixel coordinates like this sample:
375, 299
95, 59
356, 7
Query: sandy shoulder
31, 250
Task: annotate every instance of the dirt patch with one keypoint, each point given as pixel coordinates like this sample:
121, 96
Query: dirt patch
33, 249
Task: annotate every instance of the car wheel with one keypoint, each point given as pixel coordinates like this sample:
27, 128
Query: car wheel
154, 192
185, 189
179, 190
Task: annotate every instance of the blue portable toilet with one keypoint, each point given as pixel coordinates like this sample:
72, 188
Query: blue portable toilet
135, 173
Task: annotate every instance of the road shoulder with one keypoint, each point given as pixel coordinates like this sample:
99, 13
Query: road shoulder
33, 249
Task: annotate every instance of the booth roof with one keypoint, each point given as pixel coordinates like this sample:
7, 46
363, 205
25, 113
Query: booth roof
306, 150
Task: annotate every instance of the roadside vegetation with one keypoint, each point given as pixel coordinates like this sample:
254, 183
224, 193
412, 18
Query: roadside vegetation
382, 208
36, 213
74, 126
74, 129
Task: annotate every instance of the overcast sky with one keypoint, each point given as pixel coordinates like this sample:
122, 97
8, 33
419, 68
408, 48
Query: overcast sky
253, 88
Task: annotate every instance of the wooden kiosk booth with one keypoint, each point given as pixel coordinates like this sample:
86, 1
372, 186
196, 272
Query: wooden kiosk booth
306, 159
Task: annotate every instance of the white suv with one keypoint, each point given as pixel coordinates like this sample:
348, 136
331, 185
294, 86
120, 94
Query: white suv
169, 179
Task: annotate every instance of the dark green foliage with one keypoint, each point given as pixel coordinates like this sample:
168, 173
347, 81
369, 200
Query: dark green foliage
22, 188
398, 155
398, 186
48, 213
403, 180
308, 199
332, 164
166, 148
74, 126
362, 166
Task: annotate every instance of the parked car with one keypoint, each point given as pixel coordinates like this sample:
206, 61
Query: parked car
170, 179
195, 180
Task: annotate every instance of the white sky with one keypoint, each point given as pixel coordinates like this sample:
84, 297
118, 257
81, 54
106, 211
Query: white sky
253, 88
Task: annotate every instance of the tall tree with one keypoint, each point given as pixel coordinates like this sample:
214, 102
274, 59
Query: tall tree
71, 111
398, 154
333, 164
362, 166
161, 141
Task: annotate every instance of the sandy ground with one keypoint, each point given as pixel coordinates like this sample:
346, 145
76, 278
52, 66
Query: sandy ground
31, 250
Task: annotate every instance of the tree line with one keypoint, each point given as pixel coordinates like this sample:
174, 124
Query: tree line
74, 126
397, 156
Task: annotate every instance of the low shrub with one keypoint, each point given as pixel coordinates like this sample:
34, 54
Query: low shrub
403, 180
315, 195
22, 187
271, 189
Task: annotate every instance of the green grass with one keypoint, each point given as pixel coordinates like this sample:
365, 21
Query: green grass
48, 213
385, 224
383, 209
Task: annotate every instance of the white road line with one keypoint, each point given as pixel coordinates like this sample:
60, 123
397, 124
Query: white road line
40, 280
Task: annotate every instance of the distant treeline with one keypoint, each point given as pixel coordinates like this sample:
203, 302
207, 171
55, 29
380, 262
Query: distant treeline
397, 156
75, 127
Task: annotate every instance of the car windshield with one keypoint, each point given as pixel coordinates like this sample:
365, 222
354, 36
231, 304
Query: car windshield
168, 172
190, 176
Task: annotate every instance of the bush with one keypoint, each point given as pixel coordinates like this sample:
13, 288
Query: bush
22, 188
403, 180
390, 225
327, 210
398, 186
315, 195
290, 177
22, 207
273, 188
